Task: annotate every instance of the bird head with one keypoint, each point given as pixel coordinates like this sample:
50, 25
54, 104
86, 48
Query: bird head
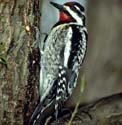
70, 11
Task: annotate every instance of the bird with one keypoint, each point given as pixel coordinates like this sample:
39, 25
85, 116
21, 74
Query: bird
62, 56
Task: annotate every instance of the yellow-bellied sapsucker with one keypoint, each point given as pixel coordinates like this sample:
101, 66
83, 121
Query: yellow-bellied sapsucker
63, 54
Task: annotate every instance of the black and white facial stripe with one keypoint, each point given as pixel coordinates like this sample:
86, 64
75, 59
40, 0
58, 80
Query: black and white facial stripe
76, 12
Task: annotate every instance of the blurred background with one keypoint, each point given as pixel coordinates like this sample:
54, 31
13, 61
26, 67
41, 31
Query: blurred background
103, 63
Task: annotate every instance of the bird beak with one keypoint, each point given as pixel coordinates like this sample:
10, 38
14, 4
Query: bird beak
58, 6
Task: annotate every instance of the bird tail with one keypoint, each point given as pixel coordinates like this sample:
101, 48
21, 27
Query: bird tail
41, 112
36, 115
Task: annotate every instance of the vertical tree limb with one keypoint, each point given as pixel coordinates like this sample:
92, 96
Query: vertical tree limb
19, 60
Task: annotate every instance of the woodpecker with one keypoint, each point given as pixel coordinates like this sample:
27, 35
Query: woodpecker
61, 58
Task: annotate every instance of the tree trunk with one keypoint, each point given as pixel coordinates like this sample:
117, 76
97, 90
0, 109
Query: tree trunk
19, 60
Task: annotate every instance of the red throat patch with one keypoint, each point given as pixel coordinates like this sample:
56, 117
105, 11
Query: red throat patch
65, 17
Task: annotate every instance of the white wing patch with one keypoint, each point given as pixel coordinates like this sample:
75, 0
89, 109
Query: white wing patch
67, 49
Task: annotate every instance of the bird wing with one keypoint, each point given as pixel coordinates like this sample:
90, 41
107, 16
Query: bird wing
74, 53
52, 59
66, 52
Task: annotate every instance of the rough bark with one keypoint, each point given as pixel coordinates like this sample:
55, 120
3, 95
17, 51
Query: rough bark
19, 60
